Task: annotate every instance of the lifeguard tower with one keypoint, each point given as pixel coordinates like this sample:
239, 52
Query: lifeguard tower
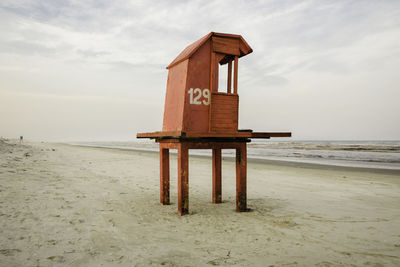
199, 115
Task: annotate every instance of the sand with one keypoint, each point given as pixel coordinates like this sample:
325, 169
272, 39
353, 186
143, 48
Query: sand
63, 205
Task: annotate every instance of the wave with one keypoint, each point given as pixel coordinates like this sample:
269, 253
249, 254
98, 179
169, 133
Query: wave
376, 154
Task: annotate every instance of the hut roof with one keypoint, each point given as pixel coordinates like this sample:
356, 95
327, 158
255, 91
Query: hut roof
192, 48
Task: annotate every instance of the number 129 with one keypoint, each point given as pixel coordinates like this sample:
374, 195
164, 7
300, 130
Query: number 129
195, 95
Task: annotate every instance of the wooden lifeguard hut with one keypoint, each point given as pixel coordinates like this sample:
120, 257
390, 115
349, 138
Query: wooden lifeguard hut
198, 114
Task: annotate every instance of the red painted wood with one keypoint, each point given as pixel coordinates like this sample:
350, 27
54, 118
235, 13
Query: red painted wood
218, 135
175, 98
191, 49
241, 179
183, 147
199, 124
196, 117
235, 75
227, 102
225, 113
229, 83
268, 135
217, 173
164, 175
222, 93
202, 143
213, 66
183, 179
226, 45
239, 134
159, 134
197, 67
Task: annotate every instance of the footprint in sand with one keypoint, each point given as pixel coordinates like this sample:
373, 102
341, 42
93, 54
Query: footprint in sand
9, 251
285, 223
324, 264
56, 258
52, 242
111, 221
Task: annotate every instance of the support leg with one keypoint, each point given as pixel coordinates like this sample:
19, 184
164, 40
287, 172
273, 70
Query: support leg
164, 175
241, 172
183, 179
216, 184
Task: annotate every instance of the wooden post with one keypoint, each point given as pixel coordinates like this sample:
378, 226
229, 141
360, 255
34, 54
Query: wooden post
164, 175
235, 75
216, 183
212, 72
241, 172
183, 179
229, 83
216, 72
212, 59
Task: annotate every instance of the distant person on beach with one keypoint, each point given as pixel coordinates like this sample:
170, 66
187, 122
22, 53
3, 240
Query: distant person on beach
21, 139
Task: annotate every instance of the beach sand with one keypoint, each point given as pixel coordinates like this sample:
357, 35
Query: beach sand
63, 205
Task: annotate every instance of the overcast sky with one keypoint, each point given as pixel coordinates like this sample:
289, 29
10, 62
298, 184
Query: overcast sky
95, 70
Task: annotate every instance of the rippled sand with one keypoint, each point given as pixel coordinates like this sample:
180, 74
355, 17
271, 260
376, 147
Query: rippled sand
78, 206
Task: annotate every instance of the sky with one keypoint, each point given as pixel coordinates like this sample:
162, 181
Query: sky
95, 70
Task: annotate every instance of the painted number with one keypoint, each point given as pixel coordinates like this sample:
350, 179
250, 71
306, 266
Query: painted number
206, 95
196, 94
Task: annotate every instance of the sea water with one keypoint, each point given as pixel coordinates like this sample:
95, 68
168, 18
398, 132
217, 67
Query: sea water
369, 154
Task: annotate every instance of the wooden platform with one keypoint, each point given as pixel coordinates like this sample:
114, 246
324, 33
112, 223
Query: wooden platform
213, 135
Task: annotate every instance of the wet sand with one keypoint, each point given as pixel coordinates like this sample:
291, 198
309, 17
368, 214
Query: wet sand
63, 205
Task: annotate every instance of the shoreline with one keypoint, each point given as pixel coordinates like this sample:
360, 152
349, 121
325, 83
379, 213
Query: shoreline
277, 162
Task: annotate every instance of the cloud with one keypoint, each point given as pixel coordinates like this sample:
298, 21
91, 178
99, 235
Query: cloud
304, 51
91, 53
124, 65
26, 48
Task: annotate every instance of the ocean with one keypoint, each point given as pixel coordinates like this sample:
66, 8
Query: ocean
366, 154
